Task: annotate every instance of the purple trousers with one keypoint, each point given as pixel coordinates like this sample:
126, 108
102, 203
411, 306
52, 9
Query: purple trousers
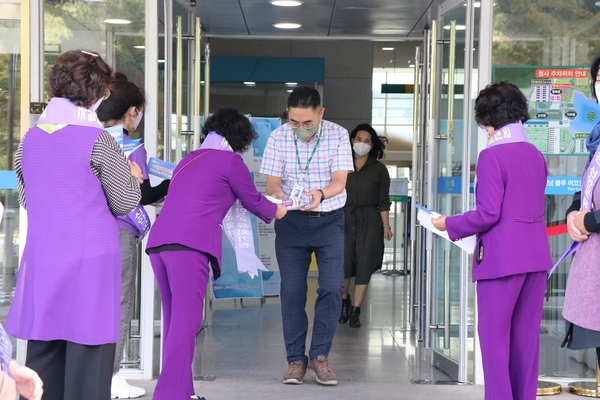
509, 318
181, 276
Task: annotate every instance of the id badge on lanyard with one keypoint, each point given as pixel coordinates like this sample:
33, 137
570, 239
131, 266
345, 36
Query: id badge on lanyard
297, 191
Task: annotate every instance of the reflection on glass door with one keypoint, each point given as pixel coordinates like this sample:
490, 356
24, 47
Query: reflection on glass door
449, 319
116, 31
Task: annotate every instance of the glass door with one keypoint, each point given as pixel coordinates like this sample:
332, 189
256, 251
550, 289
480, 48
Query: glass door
449, 178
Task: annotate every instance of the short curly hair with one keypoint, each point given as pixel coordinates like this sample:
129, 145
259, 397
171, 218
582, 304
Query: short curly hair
500, 104
80, 76
233, 126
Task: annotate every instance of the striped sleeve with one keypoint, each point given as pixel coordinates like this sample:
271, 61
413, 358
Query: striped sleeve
18, 163
110, 166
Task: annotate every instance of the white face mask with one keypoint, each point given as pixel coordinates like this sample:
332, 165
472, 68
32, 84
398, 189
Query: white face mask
361, 149
597, 87
137, 119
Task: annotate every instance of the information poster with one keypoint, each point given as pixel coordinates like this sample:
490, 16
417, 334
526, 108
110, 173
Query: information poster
561, 107
266, 232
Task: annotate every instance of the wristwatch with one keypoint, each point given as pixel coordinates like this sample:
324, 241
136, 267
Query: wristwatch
322, 195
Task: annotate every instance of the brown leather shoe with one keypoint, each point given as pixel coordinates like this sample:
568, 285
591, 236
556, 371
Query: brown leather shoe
295, 373
323, 372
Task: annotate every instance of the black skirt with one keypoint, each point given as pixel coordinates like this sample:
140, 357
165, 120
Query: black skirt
578, 338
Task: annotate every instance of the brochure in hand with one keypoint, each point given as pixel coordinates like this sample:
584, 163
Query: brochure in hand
159, 170
290, 204
425, 215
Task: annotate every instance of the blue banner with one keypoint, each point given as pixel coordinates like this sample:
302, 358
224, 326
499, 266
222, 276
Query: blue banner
563, 185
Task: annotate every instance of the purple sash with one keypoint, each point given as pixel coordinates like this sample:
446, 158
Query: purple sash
61, 111
236, 223
5, 350
238, 229
141, 220
511, 133
215, 141
593, 173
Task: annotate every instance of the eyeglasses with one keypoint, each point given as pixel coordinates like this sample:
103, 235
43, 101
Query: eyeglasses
306, 124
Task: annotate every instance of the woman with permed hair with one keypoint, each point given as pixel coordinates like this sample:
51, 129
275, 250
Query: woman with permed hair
186, 237
512, 255
367, 214
73, 180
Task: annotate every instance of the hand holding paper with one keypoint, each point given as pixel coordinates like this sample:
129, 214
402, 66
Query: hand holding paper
291, 204
426, 216
439, 222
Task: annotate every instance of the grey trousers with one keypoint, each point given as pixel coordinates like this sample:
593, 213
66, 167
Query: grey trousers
128, 274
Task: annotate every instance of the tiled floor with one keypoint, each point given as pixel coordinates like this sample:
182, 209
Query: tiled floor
241, 354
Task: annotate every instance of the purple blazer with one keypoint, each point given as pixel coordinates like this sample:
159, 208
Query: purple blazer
509, 215
201, 192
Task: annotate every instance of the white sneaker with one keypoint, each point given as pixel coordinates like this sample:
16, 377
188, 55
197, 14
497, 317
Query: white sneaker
120, 389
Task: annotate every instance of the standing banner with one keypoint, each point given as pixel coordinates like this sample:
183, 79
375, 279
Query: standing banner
232, 284
266, 232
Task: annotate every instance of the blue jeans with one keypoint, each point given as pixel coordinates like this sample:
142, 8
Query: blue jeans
298, 235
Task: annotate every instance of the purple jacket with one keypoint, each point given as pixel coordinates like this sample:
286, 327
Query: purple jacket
509, 215
201, 192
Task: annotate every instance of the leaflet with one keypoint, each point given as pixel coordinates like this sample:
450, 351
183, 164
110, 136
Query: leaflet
290, 204
425, 215
159, 170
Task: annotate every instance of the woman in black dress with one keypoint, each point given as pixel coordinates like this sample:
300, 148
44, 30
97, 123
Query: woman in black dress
367, 212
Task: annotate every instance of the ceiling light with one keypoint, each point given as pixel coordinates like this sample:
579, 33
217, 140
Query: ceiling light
161, 61
249, 83
289, 90
139, 47
287, 25
387, 48
291, 83
116, 21
458, 27
411, 66
286, 3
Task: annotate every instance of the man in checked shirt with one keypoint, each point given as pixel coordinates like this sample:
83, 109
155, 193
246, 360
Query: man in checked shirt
309, 158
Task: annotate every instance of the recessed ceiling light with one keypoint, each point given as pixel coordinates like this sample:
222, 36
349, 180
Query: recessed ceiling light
116, 21
387, 48
291, 83
249, 83
286, 3
139, 47
287, 25
458, 27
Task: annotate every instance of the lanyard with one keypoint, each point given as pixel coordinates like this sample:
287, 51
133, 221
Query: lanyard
311, 154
